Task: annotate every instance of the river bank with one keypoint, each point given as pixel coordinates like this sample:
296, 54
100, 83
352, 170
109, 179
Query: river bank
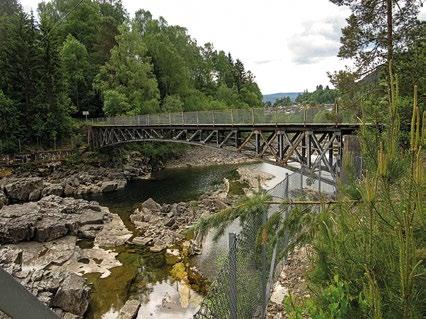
94, 173
123, 279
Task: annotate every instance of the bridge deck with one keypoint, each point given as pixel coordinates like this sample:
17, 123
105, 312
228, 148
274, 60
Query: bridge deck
318, 127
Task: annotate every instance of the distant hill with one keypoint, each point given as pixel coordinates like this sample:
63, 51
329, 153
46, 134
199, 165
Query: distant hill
275, 96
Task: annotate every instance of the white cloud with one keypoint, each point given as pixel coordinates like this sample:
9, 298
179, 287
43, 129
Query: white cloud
317, 40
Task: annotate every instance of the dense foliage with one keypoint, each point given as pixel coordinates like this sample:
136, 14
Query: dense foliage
321, 95
365, 40
87, 55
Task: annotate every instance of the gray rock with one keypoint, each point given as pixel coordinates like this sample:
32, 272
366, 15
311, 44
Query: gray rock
73, 296
143, 241
68, 315
130, 309
53, 189
89, 231
50, 218
35, 195
3, 199
48, 229
121, 184
108, 186
151, 205
19, 189
157, 248
69, 190
169, 222
89, 216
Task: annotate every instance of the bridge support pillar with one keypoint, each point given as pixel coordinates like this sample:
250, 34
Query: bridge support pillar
309, 158
280, 145
257, 143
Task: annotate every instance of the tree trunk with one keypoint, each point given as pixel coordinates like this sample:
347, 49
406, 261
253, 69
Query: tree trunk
390, 34
389, 45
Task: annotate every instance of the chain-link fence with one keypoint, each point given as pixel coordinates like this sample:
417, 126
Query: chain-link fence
243, 285
232, 117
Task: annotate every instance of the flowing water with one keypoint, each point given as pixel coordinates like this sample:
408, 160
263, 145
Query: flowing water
143, 274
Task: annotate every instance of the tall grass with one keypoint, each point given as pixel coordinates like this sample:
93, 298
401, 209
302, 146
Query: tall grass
374, 248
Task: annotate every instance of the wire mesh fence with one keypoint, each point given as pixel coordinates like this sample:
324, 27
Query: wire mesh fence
243, 285
232, 117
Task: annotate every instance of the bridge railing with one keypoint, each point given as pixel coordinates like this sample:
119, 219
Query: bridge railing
250, 116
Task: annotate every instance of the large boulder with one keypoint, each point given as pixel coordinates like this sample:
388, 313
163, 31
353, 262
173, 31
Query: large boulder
130, 309
151, 205
114, 233
19, 189
54, 217
53, 189
108, 186
73, 295
3, 199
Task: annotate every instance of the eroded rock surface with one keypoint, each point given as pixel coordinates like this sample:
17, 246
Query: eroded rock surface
38, 246
162, 226
19, 189
50, 218
130, 309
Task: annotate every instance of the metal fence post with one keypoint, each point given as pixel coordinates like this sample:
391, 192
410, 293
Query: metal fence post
276, 116
183, 118
287, 182
301, 180
264, 269
304, 115
198, 119
233, 275
232, 117
252, 116
213, 118
319, 181
147, 118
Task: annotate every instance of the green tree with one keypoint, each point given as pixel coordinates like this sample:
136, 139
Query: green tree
51, 119
172, 103
112, 16
129, 72
115, 103
9, 124
321, 95
19, 65
366, 39
285, 101
75, 66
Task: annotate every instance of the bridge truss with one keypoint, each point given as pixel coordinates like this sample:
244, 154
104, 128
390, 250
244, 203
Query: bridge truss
314, 147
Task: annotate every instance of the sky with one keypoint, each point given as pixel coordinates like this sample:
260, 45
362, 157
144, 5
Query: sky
289, 45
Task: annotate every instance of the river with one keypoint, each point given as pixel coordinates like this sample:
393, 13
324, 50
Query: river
144, 275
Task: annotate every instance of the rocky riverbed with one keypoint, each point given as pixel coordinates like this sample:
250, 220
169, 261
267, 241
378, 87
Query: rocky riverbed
44, 233
78, 180
98, 176
162, 226
203, 156
39, 247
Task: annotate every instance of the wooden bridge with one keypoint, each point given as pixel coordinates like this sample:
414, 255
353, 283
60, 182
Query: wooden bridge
292, 140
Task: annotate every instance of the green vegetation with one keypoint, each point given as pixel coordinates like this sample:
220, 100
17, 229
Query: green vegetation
321, 95
284, 101
88, 55
369, 247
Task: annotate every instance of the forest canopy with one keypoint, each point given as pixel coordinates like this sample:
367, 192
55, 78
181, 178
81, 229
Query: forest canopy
89, 55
